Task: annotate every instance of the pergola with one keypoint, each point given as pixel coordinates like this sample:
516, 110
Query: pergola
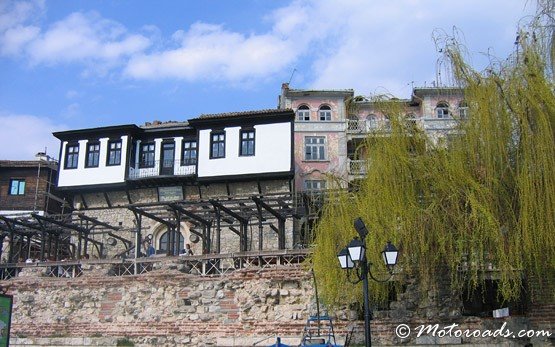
49, 236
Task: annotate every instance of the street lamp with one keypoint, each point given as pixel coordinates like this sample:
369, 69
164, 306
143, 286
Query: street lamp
354, 257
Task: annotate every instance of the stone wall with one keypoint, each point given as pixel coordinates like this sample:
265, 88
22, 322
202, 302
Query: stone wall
168, 306
96, 205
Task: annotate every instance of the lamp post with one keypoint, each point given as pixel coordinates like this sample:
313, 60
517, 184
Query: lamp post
353, 257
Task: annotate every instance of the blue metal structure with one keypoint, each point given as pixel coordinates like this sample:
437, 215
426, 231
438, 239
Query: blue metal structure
318, 332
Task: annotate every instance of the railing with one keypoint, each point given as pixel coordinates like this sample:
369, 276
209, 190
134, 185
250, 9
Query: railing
67, 271
213, 264
358, 167
161, 168
202, 265
355, 126
49, 269
9, 272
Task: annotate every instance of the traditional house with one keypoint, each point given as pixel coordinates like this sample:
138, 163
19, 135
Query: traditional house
181, 182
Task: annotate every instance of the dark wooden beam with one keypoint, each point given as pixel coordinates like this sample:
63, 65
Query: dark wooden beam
230, 212
108, 203
189, 214
151, 216
97, 222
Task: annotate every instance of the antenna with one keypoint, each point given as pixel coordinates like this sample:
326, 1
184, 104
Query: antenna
292, 74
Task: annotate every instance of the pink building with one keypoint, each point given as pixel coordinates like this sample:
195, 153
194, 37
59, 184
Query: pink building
320, 136
328, 136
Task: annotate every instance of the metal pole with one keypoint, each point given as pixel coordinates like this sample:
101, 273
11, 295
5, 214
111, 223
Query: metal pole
367, 313
37, 188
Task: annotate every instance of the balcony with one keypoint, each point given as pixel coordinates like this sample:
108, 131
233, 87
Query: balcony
161, 168
358, 167
363, 127
429, 124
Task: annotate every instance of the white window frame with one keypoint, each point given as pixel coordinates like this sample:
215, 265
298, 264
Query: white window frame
303, 113
324, 113
315, 148
442, 110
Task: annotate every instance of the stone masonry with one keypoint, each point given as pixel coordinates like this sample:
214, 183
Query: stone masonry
170, 306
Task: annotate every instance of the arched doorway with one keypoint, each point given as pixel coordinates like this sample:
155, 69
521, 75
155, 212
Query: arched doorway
161, 238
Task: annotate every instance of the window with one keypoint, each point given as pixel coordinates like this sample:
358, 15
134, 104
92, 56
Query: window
247, 143
114, 153
314, 184
463, 110
217, 145
72, 156
315, 148
164, 244
325, 113
303, 113
17, 186
189, 153
93, 154
146, 155
442, 110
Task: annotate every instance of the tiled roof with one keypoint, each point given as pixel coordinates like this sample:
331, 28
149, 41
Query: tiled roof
272, 111
168, 124
25, 163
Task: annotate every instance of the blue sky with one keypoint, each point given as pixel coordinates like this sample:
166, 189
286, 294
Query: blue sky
80, 64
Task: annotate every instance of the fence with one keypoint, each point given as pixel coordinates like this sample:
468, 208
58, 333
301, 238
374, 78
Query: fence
202, 265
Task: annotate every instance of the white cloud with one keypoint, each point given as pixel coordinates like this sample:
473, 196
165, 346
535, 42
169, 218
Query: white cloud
349, 44
31, 134
15, 13
389, 44
209, 52
84, 38
81, 37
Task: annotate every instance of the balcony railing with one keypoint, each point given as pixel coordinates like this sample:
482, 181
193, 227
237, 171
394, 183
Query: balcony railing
358, 167
161, 168
355, 126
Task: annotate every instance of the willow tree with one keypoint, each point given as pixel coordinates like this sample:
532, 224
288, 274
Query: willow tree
484, 202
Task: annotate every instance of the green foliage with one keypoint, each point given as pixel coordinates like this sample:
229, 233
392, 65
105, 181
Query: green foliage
486, 200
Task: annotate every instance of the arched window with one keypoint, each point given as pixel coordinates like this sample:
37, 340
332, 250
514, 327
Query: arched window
325, 113
303, 113
442, 110
463, 109
163, 243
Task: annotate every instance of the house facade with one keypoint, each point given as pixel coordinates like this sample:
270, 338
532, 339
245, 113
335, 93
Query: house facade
331, 126
205, 182
320, 136
28, 186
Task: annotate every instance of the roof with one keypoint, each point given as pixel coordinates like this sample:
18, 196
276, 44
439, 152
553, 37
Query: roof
115, 129
437, 90
164, 125
27, 163
240, 114
304, 92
